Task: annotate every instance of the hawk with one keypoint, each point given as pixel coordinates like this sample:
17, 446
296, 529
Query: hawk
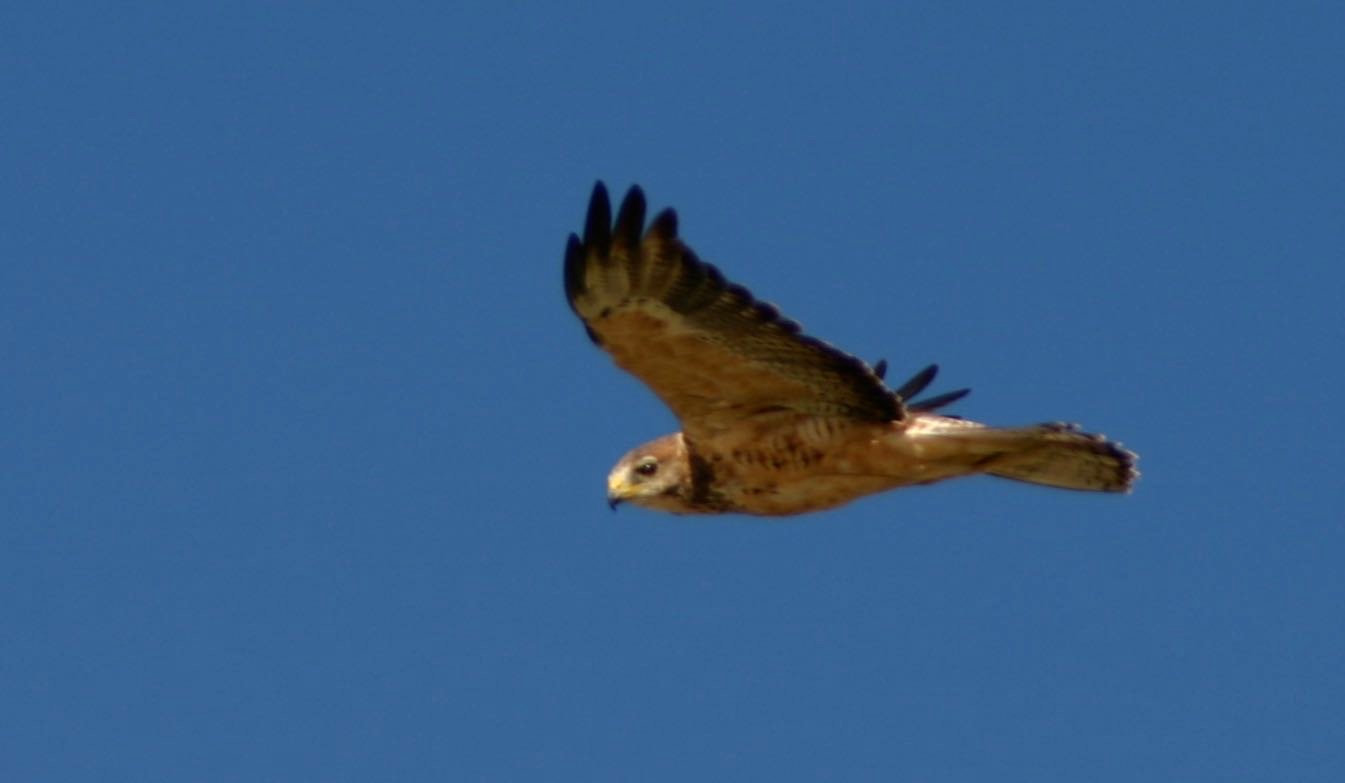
775, 422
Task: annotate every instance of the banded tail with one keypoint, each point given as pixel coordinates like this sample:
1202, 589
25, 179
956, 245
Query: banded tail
1054, 455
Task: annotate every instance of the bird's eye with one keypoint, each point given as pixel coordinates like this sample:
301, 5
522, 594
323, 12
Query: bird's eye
647, 468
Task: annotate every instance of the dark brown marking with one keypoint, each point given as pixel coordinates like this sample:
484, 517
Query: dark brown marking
704, 493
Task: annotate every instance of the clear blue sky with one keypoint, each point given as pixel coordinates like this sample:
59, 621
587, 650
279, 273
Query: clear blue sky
304, 452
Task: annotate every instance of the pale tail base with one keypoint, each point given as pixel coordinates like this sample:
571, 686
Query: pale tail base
1053, 455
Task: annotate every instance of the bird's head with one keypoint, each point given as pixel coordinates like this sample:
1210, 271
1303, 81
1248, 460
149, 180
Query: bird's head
656, 475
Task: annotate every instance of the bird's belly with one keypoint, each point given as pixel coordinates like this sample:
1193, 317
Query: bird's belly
804, 494
799, 480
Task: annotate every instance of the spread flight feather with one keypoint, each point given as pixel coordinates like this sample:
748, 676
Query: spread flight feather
775, 422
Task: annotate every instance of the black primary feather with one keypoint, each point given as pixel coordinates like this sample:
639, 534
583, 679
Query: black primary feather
918, 382
938, 401
598, 227
630, 219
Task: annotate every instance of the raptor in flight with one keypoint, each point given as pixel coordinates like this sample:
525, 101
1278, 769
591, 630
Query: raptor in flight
775, 422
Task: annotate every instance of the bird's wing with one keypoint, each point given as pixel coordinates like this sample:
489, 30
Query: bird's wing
705, 346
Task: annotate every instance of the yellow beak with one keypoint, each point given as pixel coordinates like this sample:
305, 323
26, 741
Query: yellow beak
617, 491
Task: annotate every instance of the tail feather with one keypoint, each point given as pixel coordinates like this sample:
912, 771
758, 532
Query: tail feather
1054, 455
1058, 455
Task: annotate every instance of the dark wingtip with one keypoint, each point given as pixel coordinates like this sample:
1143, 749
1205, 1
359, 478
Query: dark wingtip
574, 269
880, 369
918, 382
665, 224
630, 218
598, 224
939, 401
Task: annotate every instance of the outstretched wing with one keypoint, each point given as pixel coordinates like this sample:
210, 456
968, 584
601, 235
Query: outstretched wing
706, 347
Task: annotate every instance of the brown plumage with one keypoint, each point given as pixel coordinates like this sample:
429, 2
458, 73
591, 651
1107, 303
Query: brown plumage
775, 422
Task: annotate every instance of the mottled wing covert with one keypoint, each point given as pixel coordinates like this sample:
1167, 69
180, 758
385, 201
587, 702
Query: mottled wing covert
705, 346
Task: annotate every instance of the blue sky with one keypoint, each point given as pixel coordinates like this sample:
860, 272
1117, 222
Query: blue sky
304, 452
